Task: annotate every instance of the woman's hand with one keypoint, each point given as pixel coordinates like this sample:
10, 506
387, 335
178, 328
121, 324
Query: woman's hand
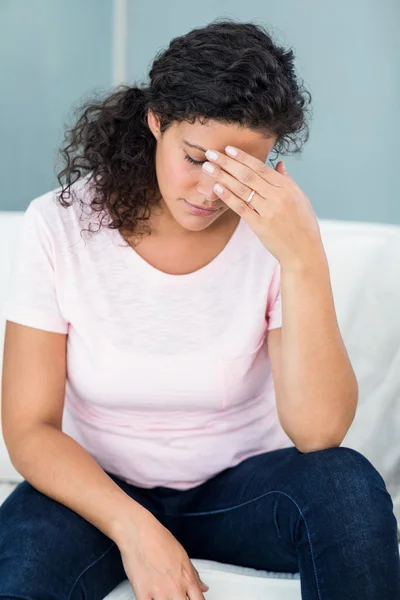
280, 213
157, 565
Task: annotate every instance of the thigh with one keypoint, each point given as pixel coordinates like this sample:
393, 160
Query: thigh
289, 511
232, 518
49, 551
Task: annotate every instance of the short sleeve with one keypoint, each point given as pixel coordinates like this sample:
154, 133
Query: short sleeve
32, 298
274, 301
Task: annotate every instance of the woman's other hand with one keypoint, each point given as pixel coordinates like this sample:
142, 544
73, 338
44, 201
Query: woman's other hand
157, 565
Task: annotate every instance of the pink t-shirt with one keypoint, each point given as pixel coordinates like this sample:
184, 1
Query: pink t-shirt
168, 376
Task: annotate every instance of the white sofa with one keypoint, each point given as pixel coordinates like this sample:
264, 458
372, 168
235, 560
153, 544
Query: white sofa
364, 262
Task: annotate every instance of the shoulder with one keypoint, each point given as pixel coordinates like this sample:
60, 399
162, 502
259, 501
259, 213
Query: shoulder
47, 211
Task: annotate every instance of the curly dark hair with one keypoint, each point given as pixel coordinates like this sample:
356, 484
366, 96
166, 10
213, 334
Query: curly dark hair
226, 71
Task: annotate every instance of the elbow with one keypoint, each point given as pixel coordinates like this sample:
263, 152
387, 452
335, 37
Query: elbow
312, 444
331, 436
306, 448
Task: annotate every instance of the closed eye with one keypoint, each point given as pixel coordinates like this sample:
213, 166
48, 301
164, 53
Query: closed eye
194, 162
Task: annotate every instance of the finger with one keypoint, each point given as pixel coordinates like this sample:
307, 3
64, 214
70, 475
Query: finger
201, 582
241, 208
259, 167
182, 595
247, 168
194, 593
240, 190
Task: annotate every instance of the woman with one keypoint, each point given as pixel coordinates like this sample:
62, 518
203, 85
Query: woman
150, 399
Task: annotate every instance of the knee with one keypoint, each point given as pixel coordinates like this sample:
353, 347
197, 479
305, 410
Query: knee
20, 571
20, 576
26, 520
342, 466
345, 482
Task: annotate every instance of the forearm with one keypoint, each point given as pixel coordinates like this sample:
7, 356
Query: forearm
321, 390
62, 469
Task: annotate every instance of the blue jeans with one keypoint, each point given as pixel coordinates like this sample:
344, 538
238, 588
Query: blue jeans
324, 514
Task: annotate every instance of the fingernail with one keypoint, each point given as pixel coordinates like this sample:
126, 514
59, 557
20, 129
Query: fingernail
208, 167
211, 154
230, 150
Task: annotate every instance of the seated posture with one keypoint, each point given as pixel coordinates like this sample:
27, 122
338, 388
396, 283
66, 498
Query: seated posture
175, 384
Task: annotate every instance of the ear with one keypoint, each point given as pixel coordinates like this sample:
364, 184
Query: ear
154, 123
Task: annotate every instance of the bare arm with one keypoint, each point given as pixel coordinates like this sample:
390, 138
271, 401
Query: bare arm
320, 389
33, 386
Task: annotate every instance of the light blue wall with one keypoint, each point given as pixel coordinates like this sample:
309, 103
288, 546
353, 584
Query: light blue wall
52, 53
348, 53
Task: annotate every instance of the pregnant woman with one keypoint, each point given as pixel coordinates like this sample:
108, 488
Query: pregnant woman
175, 384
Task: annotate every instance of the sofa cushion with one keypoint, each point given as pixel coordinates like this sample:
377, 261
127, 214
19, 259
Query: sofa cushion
227, 582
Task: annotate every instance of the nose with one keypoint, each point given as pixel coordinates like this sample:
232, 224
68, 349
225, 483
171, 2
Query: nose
205, 187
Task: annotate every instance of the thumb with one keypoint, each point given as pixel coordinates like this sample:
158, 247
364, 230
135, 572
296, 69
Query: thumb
281, 168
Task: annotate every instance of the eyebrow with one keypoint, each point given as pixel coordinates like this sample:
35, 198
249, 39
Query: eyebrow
194, 146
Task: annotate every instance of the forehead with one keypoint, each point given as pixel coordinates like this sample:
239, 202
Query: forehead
214, 135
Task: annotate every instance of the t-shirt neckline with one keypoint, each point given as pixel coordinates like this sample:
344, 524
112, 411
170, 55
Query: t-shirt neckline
217, 265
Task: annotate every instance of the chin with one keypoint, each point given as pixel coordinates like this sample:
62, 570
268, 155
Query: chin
194, 223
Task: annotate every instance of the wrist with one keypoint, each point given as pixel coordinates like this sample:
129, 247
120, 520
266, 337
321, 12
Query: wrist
127, 523
308, 262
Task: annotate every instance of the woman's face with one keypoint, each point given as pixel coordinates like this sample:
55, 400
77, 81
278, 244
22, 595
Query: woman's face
179, 157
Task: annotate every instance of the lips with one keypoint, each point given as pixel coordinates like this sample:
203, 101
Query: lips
202, 207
